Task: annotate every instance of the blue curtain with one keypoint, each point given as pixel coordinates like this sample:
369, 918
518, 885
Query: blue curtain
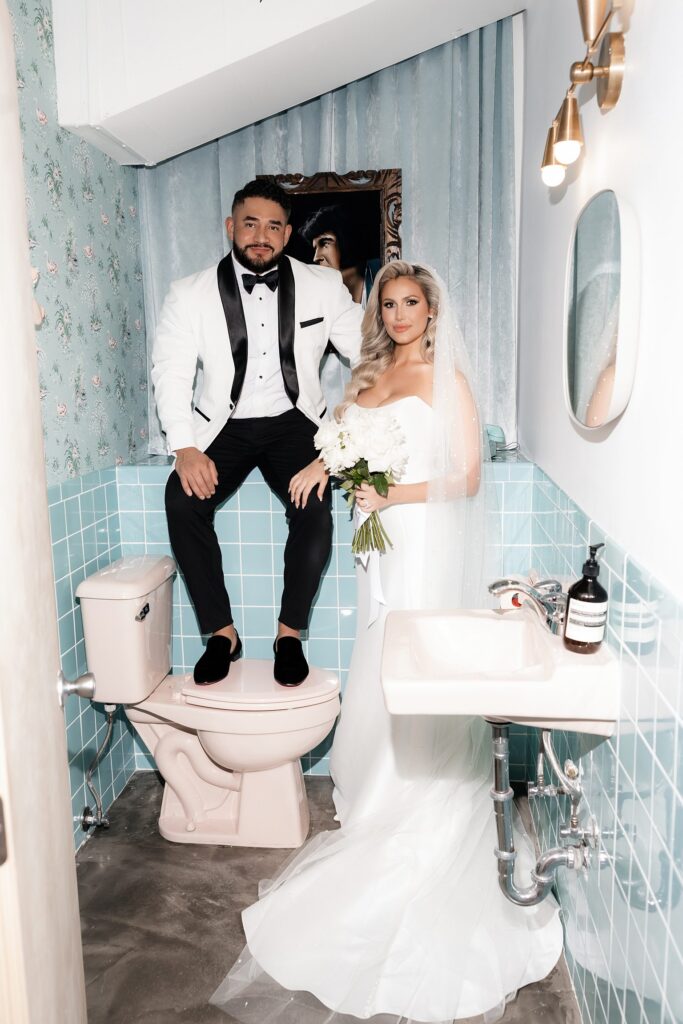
445, 118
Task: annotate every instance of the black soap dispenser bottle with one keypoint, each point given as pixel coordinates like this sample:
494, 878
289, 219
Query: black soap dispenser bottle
586, 616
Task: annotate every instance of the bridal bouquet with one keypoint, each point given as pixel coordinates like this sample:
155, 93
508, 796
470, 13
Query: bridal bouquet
367, 446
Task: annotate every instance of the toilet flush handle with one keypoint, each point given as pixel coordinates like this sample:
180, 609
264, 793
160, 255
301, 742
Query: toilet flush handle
84, 686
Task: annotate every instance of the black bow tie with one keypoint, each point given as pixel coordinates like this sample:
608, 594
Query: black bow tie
250, 280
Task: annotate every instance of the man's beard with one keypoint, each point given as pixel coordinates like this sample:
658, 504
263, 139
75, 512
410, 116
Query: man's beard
257, 264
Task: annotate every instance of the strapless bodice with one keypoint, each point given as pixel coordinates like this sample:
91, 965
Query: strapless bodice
416, 419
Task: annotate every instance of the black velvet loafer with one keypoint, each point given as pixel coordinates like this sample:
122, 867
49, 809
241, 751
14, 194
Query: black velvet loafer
215, 662
291, 667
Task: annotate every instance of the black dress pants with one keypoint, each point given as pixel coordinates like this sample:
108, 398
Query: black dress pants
279, 446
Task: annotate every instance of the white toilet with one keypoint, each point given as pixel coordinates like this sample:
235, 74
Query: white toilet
229, 753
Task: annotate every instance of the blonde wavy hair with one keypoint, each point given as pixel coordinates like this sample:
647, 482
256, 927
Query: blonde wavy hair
377, 348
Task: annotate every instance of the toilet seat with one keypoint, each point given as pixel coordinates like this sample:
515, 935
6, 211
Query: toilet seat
249, 701
250, 686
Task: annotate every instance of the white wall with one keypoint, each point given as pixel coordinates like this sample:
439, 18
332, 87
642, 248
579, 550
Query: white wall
628, 478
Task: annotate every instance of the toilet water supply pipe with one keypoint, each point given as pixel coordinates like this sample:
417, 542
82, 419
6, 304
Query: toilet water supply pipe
167, 749
98, 820
543, 875
568, 778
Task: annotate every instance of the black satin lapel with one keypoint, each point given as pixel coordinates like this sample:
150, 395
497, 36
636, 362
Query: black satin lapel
234, 318
286, 322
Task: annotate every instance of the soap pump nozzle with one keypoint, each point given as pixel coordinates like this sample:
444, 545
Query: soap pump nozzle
591, 568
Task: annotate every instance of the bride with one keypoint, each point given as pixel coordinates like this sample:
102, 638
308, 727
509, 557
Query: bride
397, 915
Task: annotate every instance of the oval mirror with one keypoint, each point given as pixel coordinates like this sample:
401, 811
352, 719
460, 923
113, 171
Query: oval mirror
601, 319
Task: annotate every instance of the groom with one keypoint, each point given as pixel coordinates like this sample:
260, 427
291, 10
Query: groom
258, 324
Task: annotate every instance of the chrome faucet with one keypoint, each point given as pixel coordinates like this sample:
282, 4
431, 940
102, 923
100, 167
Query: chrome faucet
545, 597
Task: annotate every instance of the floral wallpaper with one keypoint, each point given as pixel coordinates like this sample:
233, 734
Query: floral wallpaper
84, 238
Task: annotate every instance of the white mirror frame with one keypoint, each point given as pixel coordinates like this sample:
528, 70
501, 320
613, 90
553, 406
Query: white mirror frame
629, 313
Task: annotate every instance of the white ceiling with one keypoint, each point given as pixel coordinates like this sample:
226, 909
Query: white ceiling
146, 81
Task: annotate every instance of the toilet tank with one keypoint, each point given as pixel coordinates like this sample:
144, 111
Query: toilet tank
126, 610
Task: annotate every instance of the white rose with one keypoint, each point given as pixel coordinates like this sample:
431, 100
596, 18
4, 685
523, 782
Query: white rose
327, 435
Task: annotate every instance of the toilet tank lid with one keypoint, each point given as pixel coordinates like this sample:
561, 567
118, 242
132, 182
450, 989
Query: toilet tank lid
128, 578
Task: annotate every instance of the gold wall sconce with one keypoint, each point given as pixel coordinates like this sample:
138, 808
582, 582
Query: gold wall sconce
565, 138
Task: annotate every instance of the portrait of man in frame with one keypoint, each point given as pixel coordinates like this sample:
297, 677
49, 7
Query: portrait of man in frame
350, 222
346, 221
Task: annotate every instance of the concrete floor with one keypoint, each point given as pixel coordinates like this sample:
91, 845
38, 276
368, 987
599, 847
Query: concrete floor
161, 925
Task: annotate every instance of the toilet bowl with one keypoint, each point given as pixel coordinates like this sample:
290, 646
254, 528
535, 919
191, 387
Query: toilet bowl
229, 753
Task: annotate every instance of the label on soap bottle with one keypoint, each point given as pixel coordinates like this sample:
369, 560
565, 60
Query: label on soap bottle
586, 620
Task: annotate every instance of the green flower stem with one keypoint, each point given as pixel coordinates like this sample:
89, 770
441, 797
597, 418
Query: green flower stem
370, 536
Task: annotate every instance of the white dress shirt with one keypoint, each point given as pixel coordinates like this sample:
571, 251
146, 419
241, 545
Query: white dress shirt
263, 391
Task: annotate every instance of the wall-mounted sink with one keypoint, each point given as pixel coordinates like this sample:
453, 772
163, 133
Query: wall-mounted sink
499, 664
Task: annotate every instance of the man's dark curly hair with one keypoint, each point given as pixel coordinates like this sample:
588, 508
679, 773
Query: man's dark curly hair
331, 218
262, 188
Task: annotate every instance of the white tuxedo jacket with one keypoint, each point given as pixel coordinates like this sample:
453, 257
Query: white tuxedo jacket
202, 324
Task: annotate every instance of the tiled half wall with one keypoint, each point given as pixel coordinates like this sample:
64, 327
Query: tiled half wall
251, 529
85, 527
98, 517
624, 923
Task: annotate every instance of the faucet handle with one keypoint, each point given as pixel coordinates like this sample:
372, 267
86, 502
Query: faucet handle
549, 586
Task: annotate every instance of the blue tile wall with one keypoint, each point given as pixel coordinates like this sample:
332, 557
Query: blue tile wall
84, 523
252, 531
623, 923
103, 515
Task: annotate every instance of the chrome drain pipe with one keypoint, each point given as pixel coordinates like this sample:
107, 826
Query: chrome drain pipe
543, 875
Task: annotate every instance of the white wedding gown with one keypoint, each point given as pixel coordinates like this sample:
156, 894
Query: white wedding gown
396, 916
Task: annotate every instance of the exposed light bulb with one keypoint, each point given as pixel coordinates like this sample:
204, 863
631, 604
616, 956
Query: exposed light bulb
567, 152
552, 172
553, 175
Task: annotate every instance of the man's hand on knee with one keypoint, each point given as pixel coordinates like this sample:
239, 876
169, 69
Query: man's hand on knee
197, 472
311, 477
